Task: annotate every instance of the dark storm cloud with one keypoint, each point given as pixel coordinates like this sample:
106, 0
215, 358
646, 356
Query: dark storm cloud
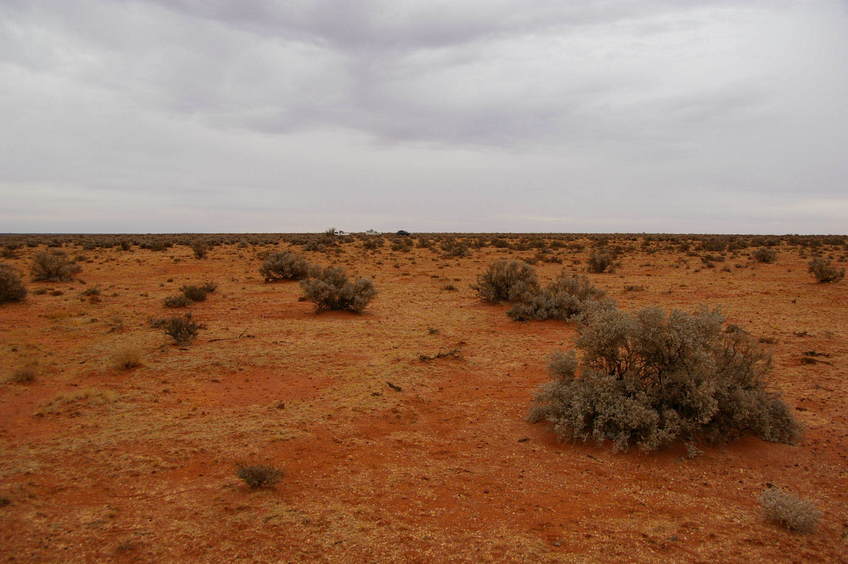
647, 115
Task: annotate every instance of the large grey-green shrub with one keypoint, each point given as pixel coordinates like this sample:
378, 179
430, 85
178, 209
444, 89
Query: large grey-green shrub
649, 379
53, 267
507, 281
568, 298
330, 289
825, 272
285, 265
11, 287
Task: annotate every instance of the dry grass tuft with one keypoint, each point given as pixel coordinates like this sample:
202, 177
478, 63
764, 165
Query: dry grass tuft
790, 511
127, 358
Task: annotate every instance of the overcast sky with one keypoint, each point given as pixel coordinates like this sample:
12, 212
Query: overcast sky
427, 115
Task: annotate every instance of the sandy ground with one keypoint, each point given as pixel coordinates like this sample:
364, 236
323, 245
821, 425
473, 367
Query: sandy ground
102, 464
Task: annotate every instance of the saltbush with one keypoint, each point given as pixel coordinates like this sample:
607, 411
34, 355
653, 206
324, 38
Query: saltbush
765, 255
200, 248
182, 329
11, 287
601, 261
53, 267
284, 266
330, 289
567, 298
824, 271
649, 379
259, 476
178, 300
197, 293
507, 281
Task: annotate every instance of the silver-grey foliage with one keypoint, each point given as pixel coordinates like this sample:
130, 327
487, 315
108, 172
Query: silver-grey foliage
330, 289
285, 265
507, 281
568, 298
649, 379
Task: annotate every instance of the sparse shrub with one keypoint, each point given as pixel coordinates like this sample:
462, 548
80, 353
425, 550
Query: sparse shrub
194, 293
71, 403
200, 249
182, 329
824, 271
567, 298
402, 244
507, 281
259, 476
126, 358
373, 243
715, 244
765, 255
548, 257
315, 245
157, 245
23, 375
649, 379
11, 287
601, 261
454, 354
178, 300
53, 267
789, 511
284, 266
634, 288
330, 289
454, 248
209, 287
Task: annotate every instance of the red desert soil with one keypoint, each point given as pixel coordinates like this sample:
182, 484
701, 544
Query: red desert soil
101, 464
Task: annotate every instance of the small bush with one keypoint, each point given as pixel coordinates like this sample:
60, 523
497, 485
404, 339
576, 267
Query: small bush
403, 245
53, 267
507, 281
200, 249
182, 329
373, 243
178, 300
634, 288
23, 375
455, 249
331, 290
284, 266
765, 255
789, 511
259, 476
601, 261
650, 379
194, 293
11, 287
126, 358
568, 298
824, 271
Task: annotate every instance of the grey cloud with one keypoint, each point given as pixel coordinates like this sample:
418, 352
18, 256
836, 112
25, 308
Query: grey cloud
604, 108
